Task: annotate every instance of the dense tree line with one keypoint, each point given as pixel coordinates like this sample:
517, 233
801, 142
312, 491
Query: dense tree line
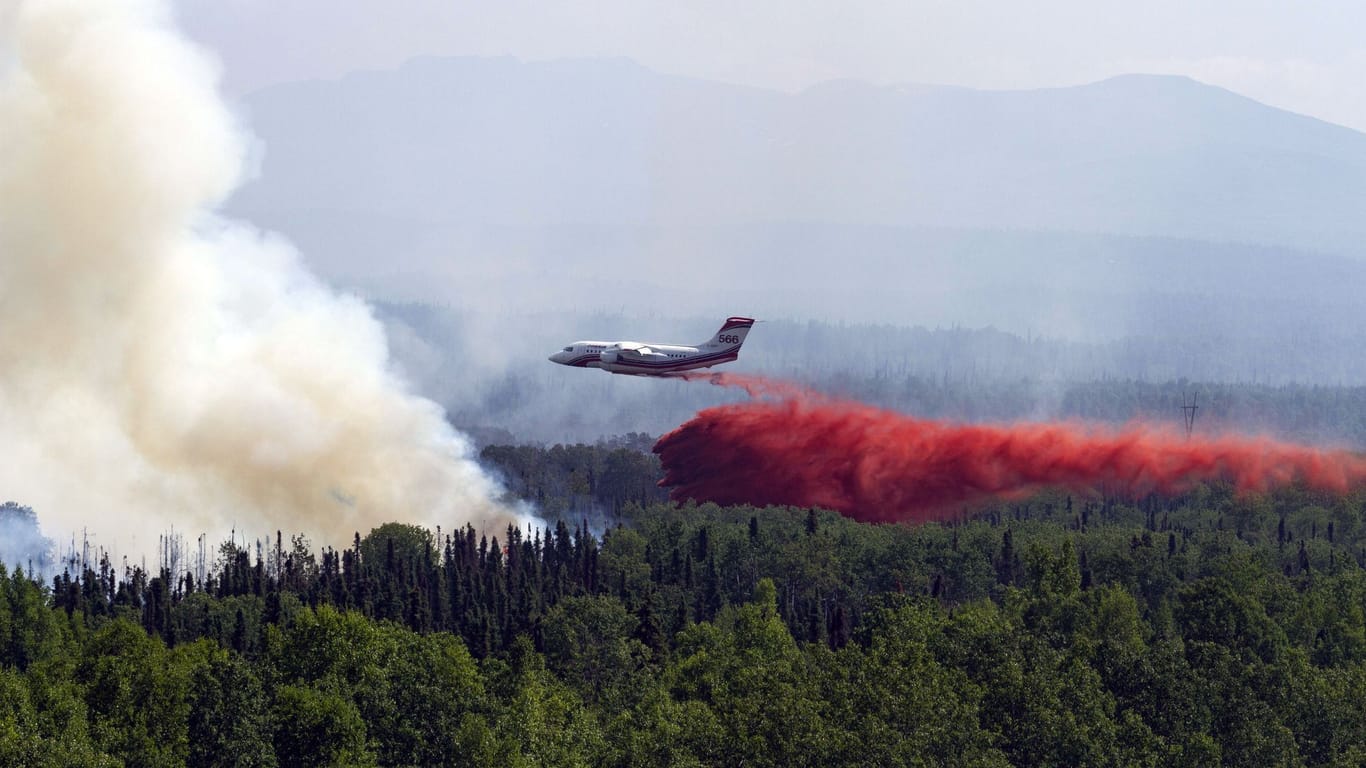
1314, 414
1289, 379
1207, 629
580, 481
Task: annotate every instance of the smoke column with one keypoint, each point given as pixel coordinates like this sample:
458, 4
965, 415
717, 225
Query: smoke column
799, 449
160, 366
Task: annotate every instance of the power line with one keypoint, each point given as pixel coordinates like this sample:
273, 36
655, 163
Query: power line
1188, 411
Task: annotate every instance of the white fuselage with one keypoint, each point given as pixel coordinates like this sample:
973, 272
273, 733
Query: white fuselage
644, 359
637, 357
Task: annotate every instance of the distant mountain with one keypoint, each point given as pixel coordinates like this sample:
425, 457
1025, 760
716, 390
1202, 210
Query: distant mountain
1141, 207
502, 143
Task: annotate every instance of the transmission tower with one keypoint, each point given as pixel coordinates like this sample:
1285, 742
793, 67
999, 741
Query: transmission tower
1188, 410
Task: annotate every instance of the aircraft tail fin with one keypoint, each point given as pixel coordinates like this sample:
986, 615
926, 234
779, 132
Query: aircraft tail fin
732, 334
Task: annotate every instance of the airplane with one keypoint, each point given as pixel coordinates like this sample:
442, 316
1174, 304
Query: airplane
641, 359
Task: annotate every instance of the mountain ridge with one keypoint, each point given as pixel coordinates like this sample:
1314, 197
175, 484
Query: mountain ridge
589, 184
610, 140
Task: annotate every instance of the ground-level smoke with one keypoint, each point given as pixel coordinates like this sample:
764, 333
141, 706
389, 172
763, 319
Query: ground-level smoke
158, 365
793, 448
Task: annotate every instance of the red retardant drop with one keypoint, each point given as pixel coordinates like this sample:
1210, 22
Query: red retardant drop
799, 449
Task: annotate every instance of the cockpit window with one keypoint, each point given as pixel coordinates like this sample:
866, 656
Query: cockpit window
569, 349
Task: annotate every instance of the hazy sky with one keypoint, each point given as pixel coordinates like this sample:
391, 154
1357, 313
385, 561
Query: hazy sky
1307, 56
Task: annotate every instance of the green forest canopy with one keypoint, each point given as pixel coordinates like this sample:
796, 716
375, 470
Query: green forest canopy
1206, 629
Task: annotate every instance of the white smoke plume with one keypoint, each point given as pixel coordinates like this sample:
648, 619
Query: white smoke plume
160, 366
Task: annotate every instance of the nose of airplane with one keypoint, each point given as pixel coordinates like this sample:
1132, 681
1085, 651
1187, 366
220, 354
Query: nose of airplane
559, 357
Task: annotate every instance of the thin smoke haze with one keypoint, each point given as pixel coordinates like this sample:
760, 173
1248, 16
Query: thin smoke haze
795, 448
161, 366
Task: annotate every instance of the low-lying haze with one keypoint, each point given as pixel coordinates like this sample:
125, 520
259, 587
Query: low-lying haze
1148, 228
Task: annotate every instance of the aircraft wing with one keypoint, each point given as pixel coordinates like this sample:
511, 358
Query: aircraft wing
644, 353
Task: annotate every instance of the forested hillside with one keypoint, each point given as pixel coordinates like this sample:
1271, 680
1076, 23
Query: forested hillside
1285, 379
1207, 629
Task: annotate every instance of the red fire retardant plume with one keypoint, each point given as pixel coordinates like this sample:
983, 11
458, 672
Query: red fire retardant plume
793, 448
